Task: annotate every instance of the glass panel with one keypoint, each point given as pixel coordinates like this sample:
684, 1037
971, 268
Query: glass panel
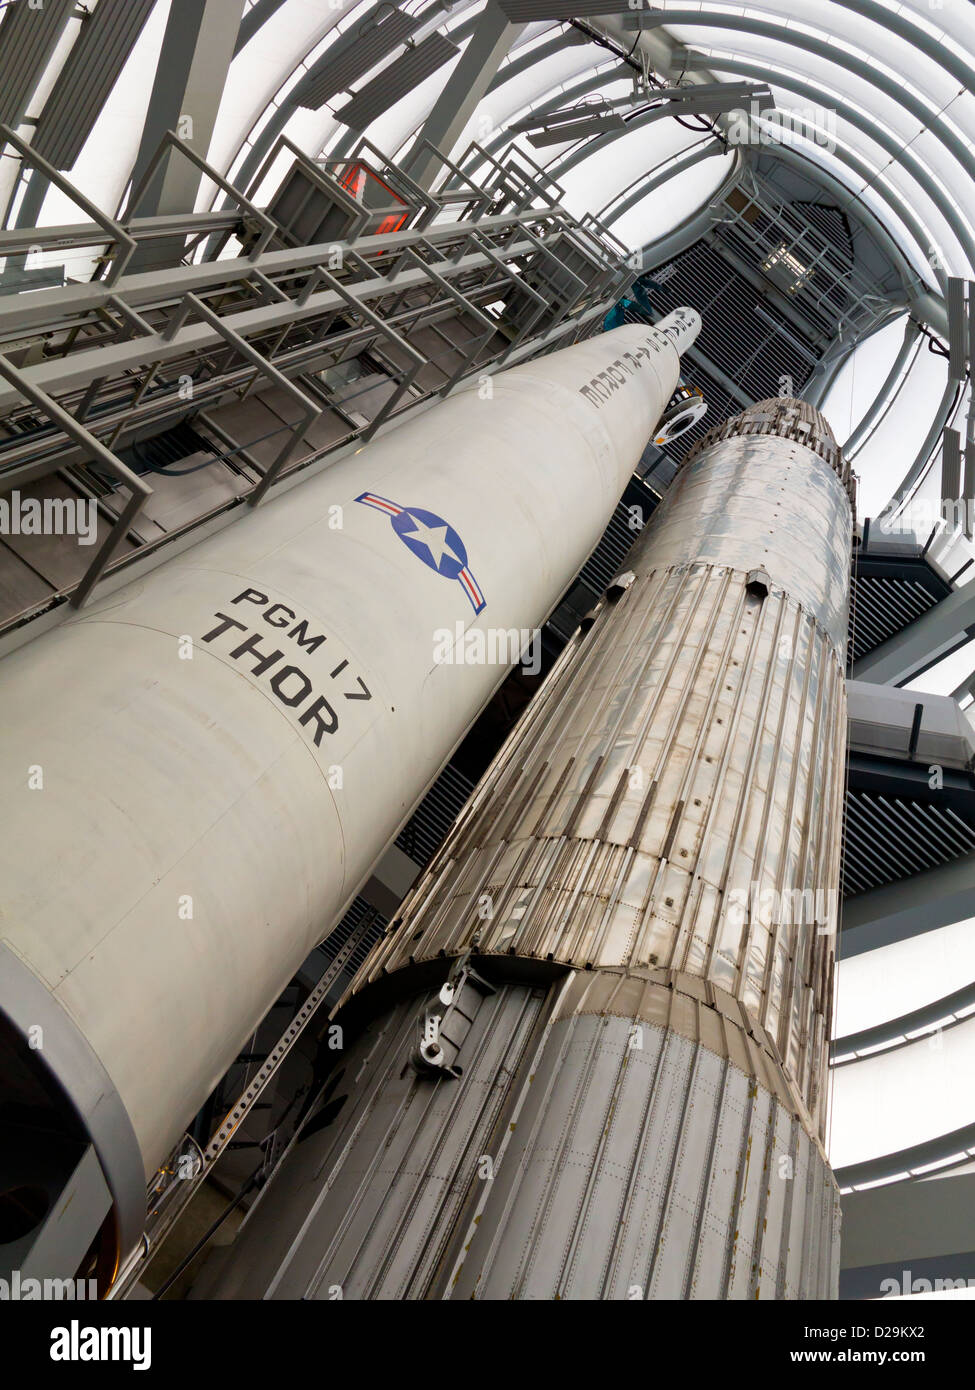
894, 980
898, 1099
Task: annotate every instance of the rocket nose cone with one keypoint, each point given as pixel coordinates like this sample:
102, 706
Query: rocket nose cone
681, 326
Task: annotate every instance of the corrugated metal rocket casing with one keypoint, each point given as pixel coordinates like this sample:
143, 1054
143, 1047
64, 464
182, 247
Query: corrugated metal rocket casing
664, 825
678, 783
609, 1138
227, 745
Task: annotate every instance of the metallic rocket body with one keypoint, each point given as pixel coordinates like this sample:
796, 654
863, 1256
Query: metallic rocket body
620, 1091
200, 770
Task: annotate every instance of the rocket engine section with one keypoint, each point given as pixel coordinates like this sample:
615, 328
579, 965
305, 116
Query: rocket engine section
623, 1093
201, 769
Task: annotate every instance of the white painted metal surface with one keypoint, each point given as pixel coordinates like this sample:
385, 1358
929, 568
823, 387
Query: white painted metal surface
226, 746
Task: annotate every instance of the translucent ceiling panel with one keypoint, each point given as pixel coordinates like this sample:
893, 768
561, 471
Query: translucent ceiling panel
102, 169
516, 97
278, 57
390, 131
459, 15
859, 35
891, 449
557, 81
533, 36
879, 985
668, 207
901, 1098
290, 35
813, 69
598, 179
861, 378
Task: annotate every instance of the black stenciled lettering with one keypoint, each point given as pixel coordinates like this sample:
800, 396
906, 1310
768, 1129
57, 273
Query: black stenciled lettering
278, 681
283, 621
322, 726
225, 624
251, 644
300, 634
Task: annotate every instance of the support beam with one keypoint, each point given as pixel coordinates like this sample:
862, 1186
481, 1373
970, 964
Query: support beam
472, 75
909, 907
942, 629
254, 20
196, 54
866, 425
911, 1233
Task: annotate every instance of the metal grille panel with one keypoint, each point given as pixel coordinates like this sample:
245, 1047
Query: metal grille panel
427, 828
396, 80
88, 76
606, 560
882, 605
27, 39
889, 838
753, 349
354, 920
334, 73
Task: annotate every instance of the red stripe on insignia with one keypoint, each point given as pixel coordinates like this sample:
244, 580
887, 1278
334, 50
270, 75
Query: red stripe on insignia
383, 505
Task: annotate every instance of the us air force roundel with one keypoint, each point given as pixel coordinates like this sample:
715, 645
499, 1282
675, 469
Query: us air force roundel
431, 540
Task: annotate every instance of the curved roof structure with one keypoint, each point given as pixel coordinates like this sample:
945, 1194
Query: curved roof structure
871, 114
800, 171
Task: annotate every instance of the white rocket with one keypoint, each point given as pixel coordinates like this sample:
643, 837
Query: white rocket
199, 772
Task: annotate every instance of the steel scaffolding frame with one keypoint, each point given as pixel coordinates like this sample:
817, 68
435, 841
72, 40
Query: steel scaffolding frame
86, 367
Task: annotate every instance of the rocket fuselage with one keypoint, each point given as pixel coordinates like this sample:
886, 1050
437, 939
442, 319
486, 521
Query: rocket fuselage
199, 771
631, 1096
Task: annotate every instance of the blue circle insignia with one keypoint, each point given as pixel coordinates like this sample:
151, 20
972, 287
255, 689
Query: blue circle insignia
432, 540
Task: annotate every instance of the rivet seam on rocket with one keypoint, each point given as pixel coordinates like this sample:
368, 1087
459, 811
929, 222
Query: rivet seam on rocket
579, 853
788, 418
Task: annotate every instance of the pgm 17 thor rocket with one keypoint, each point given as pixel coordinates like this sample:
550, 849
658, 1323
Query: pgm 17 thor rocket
199, 771
591, 1060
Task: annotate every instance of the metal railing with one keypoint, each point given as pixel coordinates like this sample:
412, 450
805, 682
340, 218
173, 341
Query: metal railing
88, 368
